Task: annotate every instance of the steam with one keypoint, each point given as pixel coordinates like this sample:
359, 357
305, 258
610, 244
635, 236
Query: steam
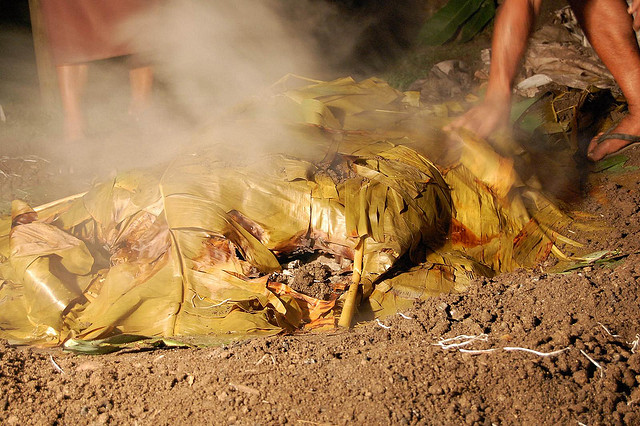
210, 55
207, 57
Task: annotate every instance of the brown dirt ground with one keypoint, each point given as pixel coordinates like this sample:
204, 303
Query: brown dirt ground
397, 371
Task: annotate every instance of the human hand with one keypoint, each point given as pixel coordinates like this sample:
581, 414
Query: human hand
484, 119
633, 11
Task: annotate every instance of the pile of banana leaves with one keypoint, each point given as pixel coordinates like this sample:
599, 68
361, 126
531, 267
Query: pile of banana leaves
343, 167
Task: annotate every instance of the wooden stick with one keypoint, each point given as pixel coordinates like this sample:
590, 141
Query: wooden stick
44, 59
349, 307
58, 202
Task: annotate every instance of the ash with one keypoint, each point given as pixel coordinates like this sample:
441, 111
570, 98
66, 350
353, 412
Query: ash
317, 275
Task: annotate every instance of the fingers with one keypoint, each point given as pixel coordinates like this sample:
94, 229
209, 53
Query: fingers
467, 121
481, 120
458, 123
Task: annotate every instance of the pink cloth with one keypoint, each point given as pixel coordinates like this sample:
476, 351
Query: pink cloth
87, 30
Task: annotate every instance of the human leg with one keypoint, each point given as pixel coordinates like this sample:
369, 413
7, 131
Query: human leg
514, 23
72, 80
141, 80
608, 26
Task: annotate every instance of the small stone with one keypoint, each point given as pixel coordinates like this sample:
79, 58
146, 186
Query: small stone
435, 390
578, 408
634, 362
631, 418
88, 366
628, 379
580, 377
456, 315
611, 384
485, 316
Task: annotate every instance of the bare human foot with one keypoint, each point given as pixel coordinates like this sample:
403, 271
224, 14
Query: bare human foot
599, 149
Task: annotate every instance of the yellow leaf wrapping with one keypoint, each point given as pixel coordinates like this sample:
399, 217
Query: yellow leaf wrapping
192, 251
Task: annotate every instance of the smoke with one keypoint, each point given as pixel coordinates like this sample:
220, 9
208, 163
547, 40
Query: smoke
210, 55
207, 57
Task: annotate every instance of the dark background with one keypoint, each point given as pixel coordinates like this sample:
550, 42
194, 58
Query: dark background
387, 29
14, 12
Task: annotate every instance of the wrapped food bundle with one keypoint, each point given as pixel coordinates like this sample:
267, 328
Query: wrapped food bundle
352, 170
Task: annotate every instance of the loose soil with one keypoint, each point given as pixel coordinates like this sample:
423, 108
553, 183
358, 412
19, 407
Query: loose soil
453, 359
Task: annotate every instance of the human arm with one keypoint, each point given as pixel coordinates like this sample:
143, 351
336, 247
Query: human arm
513, 26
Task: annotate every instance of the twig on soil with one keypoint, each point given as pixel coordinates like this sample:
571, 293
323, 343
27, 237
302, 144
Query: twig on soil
634, 344
607, 330
593, 361
466, 340
477, 351
484, 351
245, 389
382, 325
531, 351
55, 365
404, 316
273, 360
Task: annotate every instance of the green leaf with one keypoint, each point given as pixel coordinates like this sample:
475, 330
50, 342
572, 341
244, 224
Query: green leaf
478, 21
444, 24
119, 342
614, 164
606, 258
